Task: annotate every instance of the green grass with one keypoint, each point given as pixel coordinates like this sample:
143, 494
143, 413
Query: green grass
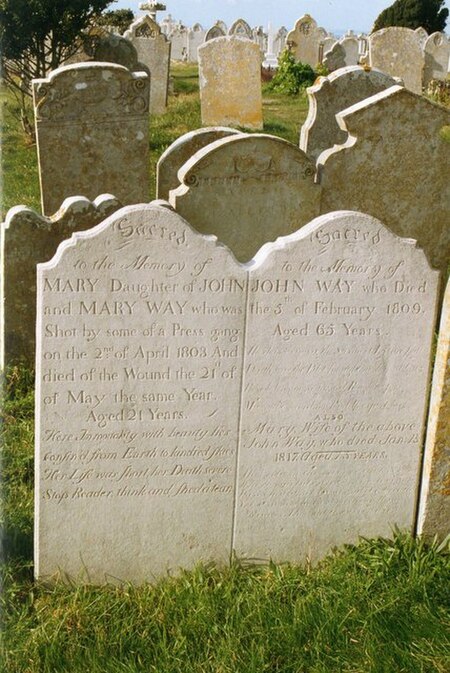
379, 607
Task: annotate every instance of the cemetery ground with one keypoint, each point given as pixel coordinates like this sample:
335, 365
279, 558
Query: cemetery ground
380, 607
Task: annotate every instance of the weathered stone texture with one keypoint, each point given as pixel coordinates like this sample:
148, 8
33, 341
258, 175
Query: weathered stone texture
92, 133
241, 29
331, 95
27, 239
230, 83
342, 54
397, 52
304, 40
394, 166
180, 151
247, 190
434, 510
153, 49
437, 55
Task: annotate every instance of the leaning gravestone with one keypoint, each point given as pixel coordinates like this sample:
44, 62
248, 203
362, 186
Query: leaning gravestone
342, 54
437, 55
180, 151
26, 239
188, 406
434, 510
395, 166
331, 95
247, 189
397, 52
153, 49
304, 40
92, 133
230, 83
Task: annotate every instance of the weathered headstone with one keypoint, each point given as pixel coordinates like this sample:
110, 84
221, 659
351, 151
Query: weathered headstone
92, 133
397, 52
101, 45
246, 190
26, 239
180, 151
210, 407
395, 166
215, 31
342, 54
304, 40
138, 399
153, 49
331, 95
196, 37
241, 29
279, 42
230, 83
437, 55
179, 40
434, 510
338, 344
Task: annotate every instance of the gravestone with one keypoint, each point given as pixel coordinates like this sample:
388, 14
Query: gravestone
230, 83
180, 151
241, 29
422, 35
279, 42
196, 37
188, 406
179, 41
395, 166
153, 49
304, 40
26, 239
437, 55
215, 31
342, 54
101, 45
331, 95
434, 510
138, 399
397, 52
92, 133
246, 190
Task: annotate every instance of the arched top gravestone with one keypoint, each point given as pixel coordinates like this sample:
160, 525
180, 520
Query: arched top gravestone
304, 40
397, 51
437, 54
247, 189
241, 28
215, 31
188, 406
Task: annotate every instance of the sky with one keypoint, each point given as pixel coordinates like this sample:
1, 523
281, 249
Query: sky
333, 15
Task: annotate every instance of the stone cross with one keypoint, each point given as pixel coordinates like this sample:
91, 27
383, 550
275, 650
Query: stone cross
152, 8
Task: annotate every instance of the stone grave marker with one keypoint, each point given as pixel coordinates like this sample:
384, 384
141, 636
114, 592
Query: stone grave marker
92, 133
153, 49
211, 407
338, 344
182, 149
434, 510
395, 166
215, 31
241, 29
230, 83
26, 239
342, 54
137, 399
398, 52
196, 37
279, 42
437, 55
247, 189
304, 40
331, 95
101, 45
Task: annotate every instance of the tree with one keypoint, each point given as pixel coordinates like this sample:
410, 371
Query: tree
37, 36
428, 14
119, 18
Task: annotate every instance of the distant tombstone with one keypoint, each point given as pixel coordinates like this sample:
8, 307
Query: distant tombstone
304, 40
26, 239
213, 32
422, 35
397, 52
153, 49
230, 95
336, 378
152, 441
343, 54
279, 42
395, 167
260, 38
180, 151
196, 37
437, 55
138, 399
325, 46
100, 45
247, 190
92, 133
179, 40
332, 94
241, 29
434, 509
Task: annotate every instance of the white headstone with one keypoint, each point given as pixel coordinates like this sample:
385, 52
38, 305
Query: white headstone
398, 52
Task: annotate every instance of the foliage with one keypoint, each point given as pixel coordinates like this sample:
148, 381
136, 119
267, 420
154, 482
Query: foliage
37, 36
291, 76
428, 14
119, 18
